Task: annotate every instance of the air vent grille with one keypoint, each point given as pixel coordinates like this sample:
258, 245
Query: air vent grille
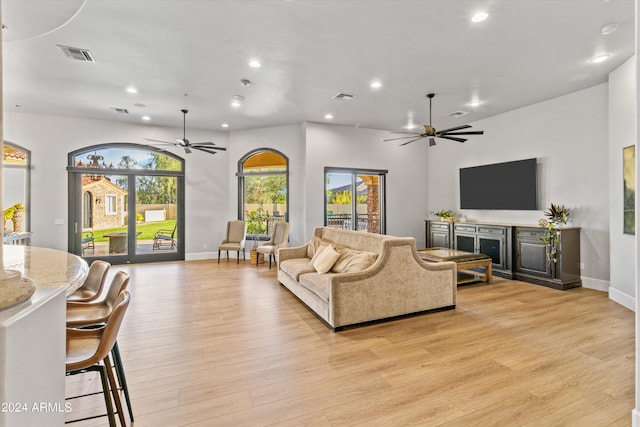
344, 97
77, 53
458, 113
120, 110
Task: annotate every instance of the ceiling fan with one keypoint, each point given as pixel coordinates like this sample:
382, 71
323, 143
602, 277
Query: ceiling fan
207, 147
431, 132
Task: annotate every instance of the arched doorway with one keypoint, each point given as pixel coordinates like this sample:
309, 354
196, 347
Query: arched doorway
126, 203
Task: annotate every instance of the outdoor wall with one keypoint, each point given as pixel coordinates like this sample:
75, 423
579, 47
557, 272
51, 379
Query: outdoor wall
569, 137
622, 133
350, 147
50, 138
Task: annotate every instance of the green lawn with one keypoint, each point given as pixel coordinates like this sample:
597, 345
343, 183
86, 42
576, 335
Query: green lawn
148, 230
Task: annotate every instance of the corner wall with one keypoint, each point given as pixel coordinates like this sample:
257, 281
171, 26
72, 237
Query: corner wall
622, 133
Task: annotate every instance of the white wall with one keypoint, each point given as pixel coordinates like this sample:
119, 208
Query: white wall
345, 146
622, 133
569, 137
51, 138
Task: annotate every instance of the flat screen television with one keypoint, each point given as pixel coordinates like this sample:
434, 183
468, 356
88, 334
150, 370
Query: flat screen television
505, 186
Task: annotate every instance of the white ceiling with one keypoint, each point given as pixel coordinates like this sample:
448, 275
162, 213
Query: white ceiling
525, 52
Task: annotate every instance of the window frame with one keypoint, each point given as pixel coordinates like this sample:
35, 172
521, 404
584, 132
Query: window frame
241, 174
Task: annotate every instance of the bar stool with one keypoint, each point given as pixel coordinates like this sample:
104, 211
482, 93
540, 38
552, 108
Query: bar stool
93, 284
97, 313
88, 350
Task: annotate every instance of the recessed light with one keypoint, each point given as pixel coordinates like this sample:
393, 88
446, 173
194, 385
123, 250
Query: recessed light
139, 105
600, 58
376, 84
608, 29
146, 118
254, 63
474, 103
245, 82
410, 126
225, 125
479, 17
131, 89
235, 103
328, 116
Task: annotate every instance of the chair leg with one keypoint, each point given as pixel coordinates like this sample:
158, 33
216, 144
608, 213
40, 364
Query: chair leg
238, 257
227, 256
114, 391
218, 256
121, 378
107, 397
269, 261
257, 257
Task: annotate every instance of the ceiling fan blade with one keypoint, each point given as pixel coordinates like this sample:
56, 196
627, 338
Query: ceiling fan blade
455, 128
203, 143
206, 150
186, 149
402, 137
207, 147
453, 138
409, 142
471, 132
432, 142
406, 133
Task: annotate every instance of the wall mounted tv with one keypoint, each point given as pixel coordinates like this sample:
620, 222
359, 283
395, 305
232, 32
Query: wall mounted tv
506, 186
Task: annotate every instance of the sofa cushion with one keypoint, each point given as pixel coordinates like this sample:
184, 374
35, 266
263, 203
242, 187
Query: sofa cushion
296, 266
325, 259
352, 261
317, 283
313, 245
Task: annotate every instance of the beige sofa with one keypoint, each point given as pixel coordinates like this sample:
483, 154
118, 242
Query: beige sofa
397, 283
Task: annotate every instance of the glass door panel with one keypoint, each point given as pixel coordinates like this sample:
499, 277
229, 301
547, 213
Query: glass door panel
368, 203
156, 214
103, 217
339, 196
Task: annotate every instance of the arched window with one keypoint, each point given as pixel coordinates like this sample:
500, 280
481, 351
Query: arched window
263, 189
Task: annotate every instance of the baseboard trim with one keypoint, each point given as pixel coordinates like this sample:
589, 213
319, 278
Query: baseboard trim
199, 256
624, 300
635, 418
596, 284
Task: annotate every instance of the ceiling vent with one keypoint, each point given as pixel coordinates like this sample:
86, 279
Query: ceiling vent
458, 113
77, 53
344, 97
120, 110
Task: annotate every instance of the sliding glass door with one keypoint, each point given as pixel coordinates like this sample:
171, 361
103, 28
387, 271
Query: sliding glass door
354, 199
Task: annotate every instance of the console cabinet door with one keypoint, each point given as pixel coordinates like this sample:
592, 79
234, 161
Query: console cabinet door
438, 234
531, 253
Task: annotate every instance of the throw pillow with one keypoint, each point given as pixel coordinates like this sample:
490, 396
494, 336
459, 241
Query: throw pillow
325, 260
318, 252
360, 262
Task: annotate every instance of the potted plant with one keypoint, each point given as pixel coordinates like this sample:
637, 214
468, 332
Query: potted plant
444, 215
557, 216
8, 215
256, 224
18, 217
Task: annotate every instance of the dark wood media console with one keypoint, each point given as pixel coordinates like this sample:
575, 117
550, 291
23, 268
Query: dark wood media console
516, 250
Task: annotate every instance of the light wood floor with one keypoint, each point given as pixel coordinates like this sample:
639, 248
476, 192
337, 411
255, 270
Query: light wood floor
226, 345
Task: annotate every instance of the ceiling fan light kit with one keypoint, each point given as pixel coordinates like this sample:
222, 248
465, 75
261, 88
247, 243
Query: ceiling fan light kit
431, 133
207, 147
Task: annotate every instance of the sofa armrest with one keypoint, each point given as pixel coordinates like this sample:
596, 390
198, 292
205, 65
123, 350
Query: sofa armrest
294, 252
